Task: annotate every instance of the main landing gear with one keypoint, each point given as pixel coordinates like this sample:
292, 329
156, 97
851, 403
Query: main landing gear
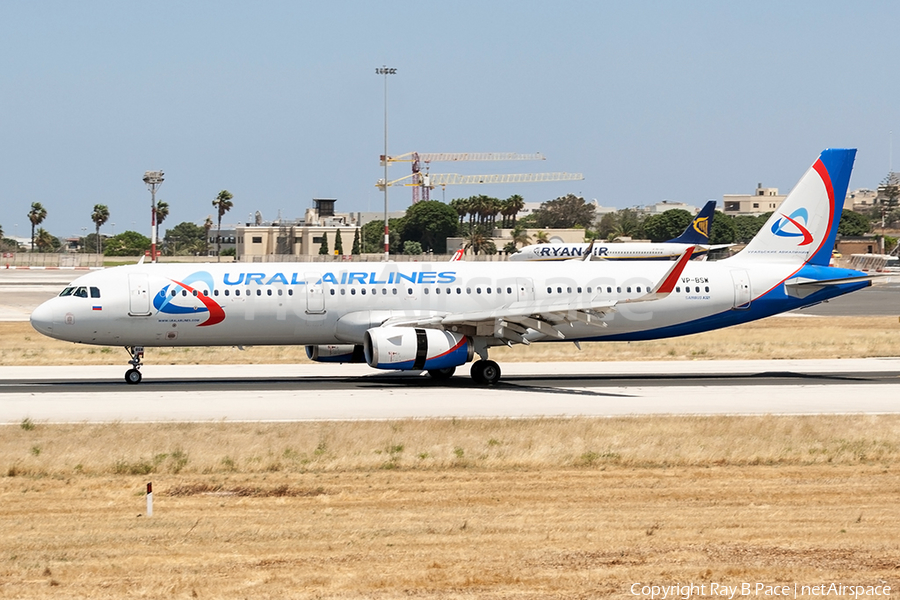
133, 375
485, 372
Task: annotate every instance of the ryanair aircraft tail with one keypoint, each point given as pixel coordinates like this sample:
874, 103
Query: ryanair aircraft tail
698, 231
803, 229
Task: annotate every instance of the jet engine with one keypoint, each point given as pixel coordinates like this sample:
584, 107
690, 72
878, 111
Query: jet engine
408, 348
336, 353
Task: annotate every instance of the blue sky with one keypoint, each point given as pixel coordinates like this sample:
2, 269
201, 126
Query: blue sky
279, 102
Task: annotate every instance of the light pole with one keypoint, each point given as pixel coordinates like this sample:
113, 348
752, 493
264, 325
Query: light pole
83, 236
153, 179
384, 70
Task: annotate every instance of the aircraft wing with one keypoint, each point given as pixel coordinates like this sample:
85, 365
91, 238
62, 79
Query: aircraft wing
523, 322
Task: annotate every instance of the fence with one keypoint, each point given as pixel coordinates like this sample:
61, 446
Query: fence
52, 260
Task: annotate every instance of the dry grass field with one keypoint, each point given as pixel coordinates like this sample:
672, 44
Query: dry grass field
568, 508
552, 508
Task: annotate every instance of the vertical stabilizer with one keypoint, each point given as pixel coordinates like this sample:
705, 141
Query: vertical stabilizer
804, 227
699, 229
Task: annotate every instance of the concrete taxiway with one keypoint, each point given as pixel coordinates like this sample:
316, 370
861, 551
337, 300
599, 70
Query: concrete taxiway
527, 390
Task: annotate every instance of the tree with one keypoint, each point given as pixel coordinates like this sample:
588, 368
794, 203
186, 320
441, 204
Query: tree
520, 236
412, 248
461, 206
99, 216
45, 241
667, 225
223, 204
477, 241
373, 236
207, 225
541, 237
323, 247
128, 243
723, 229
355, 249
338, 243
36, 215
430, 223
566, 212
746, 227
853, 224
162, 211
186, 239
514, 205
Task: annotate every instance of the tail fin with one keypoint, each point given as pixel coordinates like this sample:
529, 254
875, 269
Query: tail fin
804, 227
698, 231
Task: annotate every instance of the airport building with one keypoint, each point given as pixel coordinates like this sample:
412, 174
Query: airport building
764, 200
296, 237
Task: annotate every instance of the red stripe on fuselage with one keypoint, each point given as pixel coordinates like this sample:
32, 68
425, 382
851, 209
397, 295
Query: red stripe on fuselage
216, 313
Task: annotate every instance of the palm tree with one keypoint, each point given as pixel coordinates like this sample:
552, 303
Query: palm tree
515, 203
162, 211
223, 204
44, 240
461, 206
477, 240
541, 237
520, 236
99, 217
36, 215
207, 225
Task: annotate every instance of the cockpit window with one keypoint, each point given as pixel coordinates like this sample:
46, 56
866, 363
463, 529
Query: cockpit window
81, 292
95, 292
67, 292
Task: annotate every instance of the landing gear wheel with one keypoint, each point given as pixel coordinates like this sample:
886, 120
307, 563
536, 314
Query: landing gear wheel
441, 374
133, 375
485, 372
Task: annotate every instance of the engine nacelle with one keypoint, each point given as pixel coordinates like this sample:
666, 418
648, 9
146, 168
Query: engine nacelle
408, 348
336, 353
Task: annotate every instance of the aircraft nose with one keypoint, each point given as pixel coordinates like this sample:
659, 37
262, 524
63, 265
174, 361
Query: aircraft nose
42, 318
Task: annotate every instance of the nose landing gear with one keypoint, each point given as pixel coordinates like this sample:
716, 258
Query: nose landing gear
133, 375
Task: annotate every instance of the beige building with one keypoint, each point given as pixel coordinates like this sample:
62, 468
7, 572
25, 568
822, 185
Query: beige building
762, 201
298, 238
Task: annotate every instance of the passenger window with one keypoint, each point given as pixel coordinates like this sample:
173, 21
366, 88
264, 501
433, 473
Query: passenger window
95, 292
290, 292
628, 289
332, 292
174, 292
343, 292
194, 292
426, 291
184, 292
707, 288
215, 292
363, 291
395, 291
269, 292
281, 292
227, 292
352, 291
259, 292
509, 290
237, 292
549, 290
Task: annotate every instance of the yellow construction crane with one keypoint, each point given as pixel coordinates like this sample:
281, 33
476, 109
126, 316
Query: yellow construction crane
427, 182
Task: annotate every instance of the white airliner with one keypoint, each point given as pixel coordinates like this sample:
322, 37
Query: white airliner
435, 317
696, 234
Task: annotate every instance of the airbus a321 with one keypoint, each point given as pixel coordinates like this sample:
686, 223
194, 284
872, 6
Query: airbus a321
696, 234
435, 317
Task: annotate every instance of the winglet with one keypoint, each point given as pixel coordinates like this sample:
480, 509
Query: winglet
589, 251
668, 281
457, 255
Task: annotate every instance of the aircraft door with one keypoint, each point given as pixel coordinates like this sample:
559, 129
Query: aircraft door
138, 295
524, 289
315, 294
741, 281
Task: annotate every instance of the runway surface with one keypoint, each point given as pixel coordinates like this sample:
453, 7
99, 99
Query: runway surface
527, 390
